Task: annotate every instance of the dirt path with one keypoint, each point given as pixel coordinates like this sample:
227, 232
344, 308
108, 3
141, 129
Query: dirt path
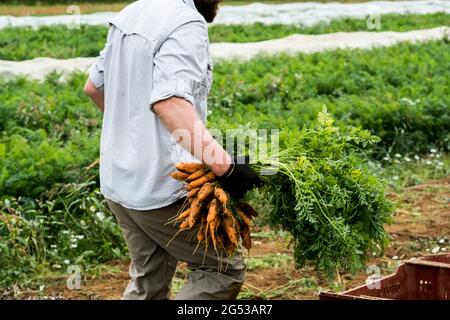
421, 226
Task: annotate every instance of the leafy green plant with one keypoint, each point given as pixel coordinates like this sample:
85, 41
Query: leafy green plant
325, 196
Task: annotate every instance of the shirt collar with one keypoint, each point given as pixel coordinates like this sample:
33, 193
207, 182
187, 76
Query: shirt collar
191, 4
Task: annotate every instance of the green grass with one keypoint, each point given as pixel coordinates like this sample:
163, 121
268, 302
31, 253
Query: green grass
62, 42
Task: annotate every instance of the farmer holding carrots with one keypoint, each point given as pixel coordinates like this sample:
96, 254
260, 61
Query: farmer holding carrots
151, 81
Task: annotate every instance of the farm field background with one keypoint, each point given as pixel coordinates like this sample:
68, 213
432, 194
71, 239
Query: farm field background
49, 7
63, 42
52, 214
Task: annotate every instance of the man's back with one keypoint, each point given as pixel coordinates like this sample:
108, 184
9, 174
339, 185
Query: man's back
157, 59
155, 49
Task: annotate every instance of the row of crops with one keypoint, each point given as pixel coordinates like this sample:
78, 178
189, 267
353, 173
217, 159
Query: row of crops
51, 212
65, 42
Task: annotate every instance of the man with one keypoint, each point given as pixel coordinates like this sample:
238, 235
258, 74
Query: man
152, 79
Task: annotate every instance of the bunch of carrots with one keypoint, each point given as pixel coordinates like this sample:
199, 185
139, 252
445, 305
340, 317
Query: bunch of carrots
220, 219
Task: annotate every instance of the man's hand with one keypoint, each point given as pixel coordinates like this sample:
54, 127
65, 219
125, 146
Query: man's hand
239, 178
179, 115
96, 95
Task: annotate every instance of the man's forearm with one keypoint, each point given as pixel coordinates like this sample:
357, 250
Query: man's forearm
96, 95
178, 115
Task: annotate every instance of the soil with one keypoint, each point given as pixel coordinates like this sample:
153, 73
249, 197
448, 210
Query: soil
421, 226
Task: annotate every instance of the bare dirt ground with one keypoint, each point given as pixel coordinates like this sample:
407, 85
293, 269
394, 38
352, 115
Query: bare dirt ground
421, 226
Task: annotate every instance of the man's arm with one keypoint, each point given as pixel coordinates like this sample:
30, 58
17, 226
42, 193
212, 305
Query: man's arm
178, 114
180, 65
96, 95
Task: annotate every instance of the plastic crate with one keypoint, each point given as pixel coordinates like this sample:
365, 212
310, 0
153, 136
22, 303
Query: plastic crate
426, 278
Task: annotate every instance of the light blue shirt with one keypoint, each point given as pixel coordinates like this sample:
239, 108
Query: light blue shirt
156, 49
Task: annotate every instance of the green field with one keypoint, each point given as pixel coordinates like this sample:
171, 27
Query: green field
49, 135
62, 42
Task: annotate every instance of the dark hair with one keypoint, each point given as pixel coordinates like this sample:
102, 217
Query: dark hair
208, 8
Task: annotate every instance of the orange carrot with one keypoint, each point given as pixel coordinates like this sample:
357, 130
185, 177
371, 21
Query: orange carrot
184, 214
201, 231
228, 226
201, 181
205, 191
194, 214
193, 193
179, 175
245, 219
212, 230
213, 211
221, 195
188, 167
185, 224
197, 174
212, 221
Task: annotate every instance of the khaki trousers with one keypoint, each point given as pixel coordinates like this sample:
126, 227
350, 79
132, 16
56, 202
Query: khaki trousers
153, 261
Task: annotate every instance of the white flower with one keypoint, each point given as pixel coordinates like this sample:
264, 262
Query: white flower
100, 215
398, 155
407, 159
57, 266
66, 261
73, 240
442, 241
83, 223
395, 258
432, 150
92, 208
41, 287
428, 162
65, 231
386, 158
73, 246
436, 249
395, 178
53, 246
80, 237
396, 161
416, 157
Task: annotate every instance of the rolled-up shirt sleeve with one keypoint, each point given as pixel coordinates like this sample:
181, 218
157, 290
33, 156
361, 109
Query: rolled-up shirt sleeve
97, 70
180, 64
